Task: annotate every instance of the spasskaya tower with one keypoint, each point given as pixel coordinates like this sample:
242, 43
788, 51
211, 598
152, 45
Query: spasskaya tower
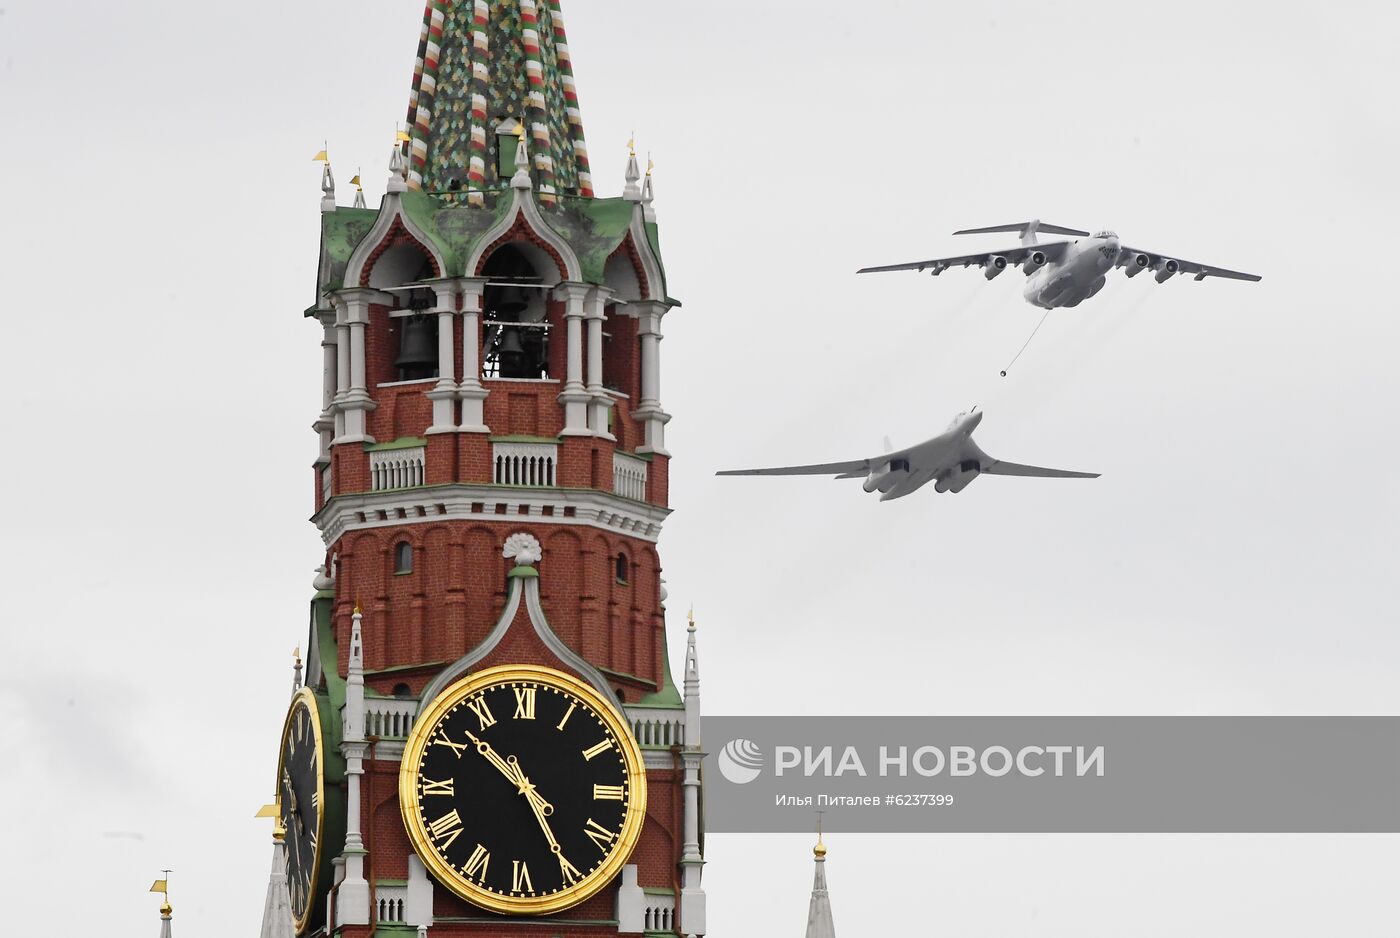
488, 740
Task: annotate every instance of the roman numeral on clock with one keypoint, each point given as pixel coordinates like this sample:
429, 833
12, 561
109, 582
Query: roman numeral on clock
520, 877
483, 712
597, 750
476, 863
567, 713
524, 703
458, 748
567, 870
431, 787
446, 829
599, 834
607, 792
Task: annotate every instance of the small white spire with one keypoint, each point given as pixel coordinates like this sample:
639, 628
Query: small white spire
632, 192
356, 670
296, 671
648, 193
359, 190
692, 685
278, 921
398, 169
521, 179
327, 181
819, 923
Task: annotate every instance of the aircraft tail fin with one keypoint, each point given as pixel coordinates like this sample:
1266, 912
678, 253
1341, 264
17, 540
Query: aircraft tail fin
1028, 230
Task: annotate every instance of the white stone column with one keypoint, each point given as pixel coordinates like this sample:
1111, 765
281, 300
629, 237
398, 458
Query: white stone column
356, 402
325, 423
444, 393
471, 391
342, 369
352, 898
575, 396
599, 403
654, 419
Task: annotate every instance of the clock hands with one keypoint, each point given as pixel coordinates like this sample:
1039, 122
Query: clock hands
292, 801
510, 768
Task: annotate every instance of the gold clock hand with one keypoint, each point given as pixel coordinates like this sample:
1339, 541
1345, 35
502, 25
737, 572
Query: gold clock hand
538, 805
484, 748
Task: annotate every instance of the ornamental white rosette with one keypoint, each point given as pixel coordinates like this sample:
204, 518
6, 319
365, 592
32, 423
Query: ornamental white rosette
525, 550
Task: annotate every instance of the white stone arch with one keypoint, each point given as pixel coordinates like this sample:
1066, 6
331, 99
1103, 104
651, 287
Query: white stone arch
524, 204
390, 213
651, 264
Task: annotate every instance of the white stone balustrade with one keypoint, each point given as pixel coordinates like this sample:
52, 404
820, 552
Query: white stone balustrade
630, 477
528, 464
389, 903
397, 468
657, 728
389, 717
660, 915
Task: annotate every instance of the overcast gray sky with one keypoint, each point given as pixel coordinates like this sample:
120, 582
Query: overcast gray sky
1237, 556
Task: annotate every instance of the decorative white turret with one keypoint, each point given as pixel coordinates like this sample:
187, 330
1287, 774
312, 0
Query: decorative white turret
819, 924
648, 193
278, 921
352, 902
397, 170
359, 191
327, 183
632, 192
521, 179
296, 670
692, 861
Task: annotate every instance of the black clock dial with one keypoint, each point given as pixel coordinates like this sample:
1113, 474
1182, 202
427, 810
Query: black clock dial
299, 793
525, 791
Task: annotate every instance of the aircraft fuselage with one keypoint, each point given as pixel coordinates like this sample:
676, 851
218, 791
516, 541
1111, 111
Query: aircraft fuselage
1075, 276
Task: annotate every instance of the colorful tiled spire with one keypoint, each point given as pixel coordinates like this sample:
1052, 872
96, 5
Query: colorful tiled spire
483, 62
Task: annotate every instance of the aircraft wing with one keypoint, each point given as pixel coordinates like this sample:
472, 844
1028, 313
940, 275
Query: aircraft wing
1014, 256
1126, 256
1000, 467
851, 469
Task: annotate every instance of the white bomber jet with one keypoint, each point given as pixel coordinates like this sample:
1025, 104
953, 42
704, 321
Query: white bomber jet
950, 460
1066, 273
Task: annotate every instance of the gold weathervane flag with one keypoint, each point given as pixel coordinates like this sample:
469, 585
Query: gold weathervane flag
322, 157
160, 887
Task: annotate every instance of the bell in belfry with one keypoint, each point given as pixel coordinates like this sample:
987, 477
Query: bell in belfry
417, 349
513, 302
512, 355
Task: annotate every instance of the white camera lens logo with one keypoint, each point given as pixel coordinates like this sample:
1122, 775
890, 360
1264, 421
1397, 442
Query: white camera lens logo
741, 761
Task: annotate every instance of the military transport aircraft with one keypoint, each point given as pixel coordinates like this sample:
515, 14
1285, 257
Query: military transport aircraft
950, 460
1066, 273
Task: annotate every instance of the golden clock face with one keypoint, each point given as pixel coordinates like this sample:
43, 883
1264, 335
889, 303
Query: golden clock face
522, 790
301, 796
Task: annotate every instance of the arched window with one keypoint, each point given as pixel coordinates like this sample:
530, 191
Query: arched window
403, 557
622, 568
402, 691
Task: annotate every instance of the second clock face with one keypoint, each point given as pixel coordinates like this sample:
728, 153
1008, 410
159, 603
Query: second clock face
522, 790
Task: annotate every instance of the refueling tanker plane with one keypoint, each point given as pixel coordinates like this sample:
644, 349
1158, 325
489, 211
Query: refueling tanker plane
950, 460
1066, 273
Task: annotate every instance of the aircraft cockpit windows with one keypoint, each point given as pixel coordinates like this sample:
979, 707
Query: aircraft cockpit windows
1106, 234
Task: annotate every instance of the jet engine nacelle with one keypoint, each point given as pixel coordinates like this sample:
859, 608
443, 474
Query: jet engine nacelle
1033, 262
1167, 270
959, 478
1137, 264
994, 266
885, 477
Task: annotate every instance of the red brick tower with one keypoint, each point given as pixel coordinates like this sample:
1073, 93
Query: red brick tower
491, 360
